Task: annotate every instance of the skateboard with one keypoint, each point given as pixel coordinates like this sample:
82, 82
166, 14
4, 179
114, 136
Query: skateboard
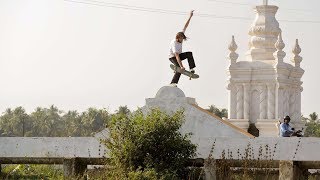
184, 72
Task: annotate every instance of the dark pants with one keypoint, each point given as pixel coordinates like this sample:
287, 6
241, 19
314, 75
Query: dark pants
183, 56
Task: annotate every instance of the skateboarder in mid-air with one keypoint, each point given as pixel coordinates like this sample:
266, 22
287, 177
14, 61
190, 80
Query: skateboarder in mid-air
176, 55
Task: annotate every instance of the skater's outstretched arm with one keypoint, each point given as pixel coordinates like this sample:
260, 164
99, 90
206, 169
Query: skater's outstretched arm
188, 21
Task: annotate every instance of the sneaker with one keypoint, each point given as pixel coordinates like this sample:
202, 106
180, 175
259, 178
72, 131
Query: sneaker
173, 84
192, 71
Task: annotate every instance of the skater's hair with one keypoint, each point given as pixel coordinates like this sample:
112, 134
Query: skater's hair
181, 34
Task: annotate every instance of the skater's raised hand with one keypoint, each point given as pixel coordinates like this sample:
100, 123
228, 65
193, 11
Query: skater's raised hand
191, 13
188, 21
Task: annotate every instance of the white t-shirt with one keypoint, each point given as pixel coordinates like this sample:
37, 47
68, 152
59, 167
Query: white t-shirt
175, 47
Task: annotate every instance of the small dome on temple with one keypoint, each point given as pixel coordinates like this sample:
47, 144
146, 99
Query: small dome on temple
167, 92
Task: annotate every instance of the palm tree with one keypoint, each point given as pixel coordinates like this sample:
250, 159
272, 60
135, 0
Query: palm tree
123, 110
221, 113
313, 116
15, 122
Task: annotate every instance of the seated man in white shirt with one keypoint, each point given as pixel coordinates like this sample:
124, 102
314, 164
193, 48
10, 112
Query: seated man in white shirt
176, 55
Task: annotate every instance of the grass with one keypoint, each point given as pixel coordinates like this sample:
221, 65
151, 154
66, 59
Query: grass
32, 172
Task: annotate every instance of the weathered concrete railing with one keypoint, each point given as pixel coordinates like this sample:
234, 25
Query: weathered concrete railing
75, 153
294, 148
293, 157
68, 147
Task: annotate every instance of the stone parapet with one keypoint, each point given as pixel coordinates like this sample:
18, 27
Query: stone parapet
268, 127
241, 123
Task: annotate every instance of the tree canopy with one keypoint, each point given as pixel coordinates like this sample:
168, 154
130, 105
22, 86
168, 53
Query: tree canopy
150, 144
313, 125
53, 122
217, 111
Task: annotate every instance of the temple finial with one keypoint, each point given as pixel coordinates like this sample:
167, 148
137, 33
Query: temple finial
279, 54
233, 56
280, 44
296, 51
233, 46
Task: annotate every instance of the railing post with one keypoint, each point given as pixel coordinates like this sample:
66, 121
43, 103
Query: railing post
291, 170
74, 167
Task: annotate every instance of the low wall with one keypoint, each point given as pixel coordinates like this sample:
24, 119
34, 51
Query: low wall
291, 149
75, 153
51, 147
294, 148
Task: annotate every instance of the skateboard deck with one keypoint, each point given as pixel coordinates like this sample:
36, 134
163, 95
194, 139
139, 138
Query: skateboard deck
184, 72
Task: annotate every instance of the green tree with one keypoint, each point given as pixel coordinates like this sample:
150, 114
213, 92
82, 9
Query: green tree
148, 143
123, 110
218, 112
50, 122
72, 122
93, 120
313, 116
313, 127
15, 122
47, 122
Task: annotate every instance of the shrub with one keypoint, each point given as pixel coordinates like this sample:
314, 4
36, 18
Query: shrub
148, 145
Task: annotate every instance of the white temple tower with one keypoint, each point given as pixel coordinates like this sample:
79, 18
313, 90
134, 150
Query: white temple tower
263, 88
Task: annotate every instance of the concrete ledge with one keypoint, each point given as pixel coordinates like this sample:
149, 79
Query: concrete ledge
51, 160
268, 148
46, 147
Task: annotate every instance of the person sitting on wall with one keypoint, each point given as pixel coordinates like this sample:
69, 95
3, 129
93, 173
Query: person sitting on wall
286, 130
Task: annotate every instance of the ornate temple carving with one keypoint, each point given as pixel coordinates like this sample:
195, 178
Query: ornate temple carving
264, 88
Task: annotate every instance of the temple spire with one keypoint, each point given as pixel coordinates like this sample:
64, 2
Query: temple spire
233, 56
264, 33
296, 57
279, 54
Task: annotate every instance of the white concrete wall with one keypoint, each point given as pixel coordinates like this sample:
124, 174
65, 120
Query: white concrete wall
294, 148
67, 147
200, 123
297, 149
